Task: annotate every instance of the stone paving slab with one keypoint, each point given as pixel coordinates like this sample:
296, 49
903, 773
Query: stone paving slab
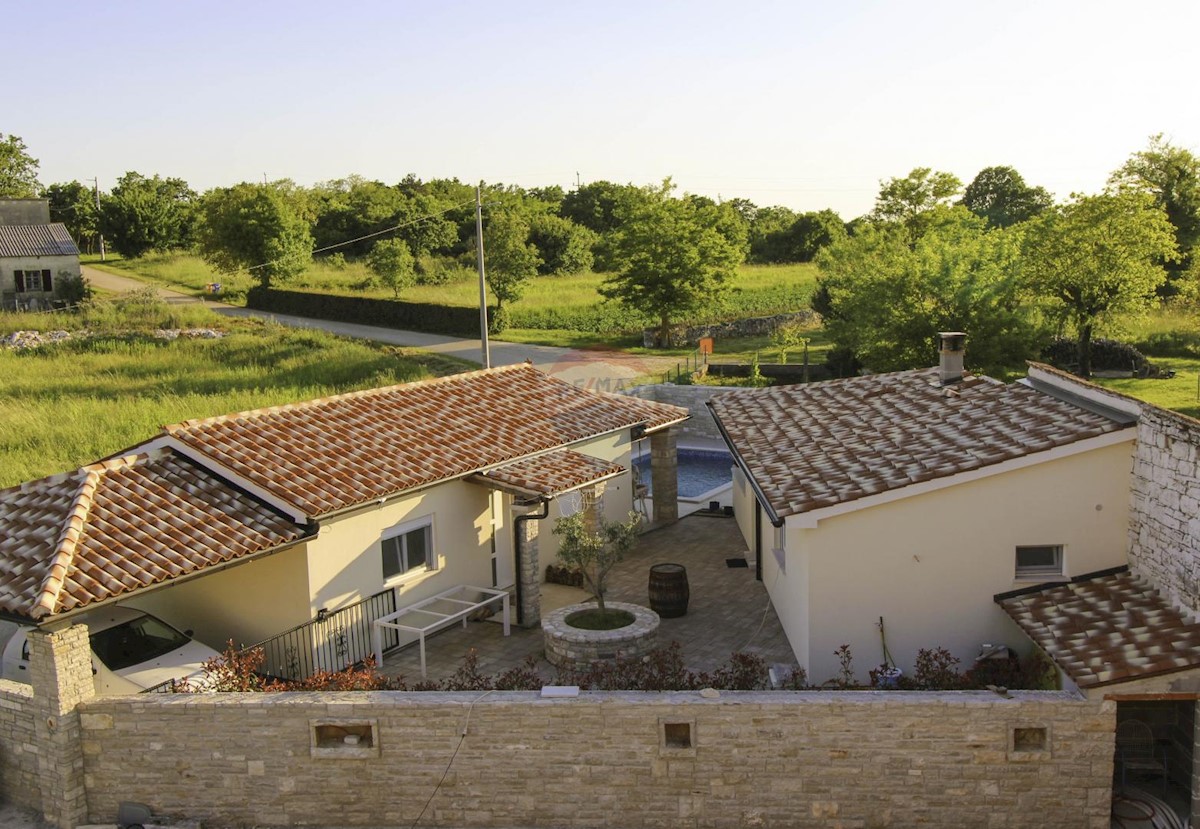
728, 609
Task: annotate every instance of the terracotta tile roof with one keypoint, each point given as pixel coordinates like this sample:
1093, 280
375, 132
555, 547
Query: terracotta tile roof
550, 474
116, 526
336, 452
1106, 628
36, 240
813, 446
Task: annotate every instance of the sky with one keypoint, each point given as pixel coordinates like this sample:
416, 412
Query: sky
804, 104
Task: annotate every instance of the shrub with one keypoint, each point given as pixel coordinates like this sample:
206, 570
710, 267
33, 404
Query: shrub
937, 669
71, 289
437, 319
1107, 355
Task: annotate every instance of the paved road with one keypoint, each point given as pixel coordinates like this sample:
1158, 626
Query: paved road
602, 370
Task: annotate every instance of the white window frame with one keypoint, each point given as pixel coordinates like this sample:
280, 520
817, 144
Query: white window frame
401, 530
1052, 572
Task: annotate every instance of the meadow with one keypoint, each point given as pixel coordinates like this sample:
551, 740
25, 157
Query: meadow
71, 403
552, 305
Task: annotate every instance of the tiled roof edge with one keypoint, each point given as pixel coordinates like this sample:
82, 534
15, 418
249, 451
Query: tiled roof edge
1047, 585
68, 541
183, 426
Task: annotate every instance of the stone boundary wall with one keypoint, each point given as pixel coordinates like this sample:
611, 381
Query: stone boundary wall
743, 759
701, 426
751, 327
1164, 518
20, 781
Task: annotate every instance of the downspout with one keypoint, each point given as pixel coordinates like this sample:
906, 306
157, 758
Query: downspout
757, 540
517, 546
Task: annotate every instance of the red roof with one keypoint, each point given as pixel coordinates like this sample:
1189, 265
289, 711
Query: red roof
110, 528
328, 454
812, 446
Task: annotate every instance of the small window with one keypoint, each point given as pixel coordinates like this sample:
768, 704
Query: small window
32, 281
1039, 562
408, 548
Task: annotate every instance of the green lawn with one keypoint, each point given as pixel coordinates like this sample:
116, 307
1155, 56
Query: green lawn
69, 404
552, 304
1180, 393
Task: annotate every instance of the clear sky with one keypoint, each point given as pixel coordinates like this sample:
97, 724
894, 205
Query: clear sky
806, 104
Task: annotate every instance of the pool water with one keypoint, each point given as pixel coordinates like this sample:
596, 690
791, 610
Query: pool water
700, 471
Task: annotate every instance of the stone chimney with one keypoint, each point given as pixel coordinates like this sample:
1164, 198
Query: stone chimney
953, 344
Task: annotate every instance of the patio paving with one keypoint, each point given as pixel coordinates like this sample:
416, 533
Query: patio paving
728, 609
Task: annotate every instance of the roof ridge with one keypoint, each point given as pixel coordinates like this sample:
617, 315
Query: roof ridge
68, 542
249, 414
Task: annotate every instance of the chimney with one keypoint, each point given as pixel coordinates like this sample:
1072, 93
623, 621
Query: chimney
951, 351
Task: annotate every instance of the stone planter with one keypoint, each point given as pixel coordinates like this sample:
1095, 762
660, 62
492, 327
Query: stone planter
575, 648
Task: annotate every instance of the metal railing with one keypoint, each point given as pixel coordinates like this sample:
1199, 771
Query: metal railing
690, 365
330, 642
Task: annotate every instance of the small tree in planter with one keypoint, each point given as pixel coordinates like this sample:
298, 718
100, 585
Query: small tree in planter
595, 553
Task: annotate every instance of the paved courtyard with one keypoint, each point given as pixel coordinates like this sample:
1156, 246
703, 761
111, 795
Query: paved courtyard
728, 610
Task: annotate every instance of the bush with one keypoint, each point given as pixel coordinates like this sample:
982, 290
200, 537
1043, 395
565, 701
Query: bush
1107, 355
452, 320
71, 289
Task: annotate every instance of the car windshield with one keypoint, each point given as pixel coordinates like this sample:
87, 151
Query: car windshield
136, 641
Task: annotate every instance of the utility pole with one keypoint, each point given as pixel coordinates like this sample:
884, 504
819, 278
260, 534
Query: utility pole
96, 193
577, 184
483, 320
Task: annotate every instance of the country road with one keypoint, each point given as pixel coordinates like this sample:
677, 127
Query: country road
594, 369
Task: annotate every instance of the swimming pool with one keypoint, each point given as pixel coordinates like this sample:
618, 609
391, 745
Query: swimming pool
700, 472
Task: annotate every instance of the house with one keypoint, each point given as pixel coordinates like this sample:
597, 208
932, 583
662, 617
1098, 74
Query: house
34, 252
898, 505
242, 526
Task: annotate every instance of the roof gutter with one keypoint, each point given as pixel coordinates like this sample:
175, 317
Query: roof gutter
740, 461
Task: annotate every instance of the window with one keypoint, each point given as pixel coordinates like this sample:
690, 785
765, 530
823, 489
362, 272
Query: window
407, 548
32, 281
1039, 562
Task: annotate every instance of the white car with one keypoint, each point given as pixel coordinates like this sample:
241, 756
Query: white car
131, 651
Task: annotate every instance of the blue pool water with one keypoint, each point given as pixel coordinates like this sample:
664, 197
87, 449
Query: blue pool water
700, 471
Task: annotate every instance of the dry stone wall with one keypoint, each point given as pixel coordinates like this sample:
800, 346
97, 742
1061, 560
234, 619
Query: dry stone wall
506, 759
1164, 524
700, 428
20, 781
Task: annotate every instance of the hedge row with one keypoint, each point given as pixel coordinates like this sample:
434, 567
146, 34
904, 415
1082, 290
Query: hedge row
452, 320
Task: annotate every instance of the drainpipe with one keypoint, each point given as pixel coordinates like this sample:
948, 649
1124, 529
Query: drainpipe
757, 540
517, 547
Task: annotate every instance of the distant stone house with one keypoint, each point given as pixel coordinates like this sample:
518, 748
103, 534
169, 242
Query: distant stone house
34, 254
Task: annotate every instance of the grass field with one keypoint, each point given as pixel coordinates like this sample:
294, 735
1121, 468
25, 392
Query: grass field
551, 304
69, 404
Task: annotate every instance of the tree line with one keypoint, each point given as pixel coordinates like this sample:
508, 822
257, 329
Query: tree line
997, 258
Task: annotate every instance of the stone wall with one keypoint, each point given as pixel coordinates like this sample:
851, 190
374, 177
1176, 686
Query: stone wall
1164, 522
504, 759
20, 781
700, 427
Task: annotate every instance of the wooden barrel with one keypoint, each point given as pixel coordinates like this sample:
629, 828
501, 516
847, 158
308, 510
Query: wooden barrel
669, 590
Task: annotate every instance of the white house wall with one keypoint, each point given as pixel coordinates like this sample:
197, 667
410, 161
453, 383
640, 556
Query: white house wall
57, 265
930, 564
246, 602
618, 491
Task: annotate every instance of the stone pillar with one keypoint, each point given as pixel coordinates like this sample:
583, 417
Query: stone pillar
593, 506
60, 665
529, 572
664, 472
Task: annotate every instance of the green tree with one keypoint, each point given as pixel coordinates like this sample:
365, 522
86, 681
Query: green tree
596, 206
812, 231
18, 170
74, 205
393, 263
595, 553
148, 214
1000, 196
1098, 259
1171, 175
887, 299
563, 246
509, 259
909, 201
673, 259
769, 242
255, 227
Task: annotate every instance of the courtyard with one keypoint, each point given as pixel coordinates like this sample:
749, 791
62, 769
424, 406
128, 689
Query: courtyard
728, 611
